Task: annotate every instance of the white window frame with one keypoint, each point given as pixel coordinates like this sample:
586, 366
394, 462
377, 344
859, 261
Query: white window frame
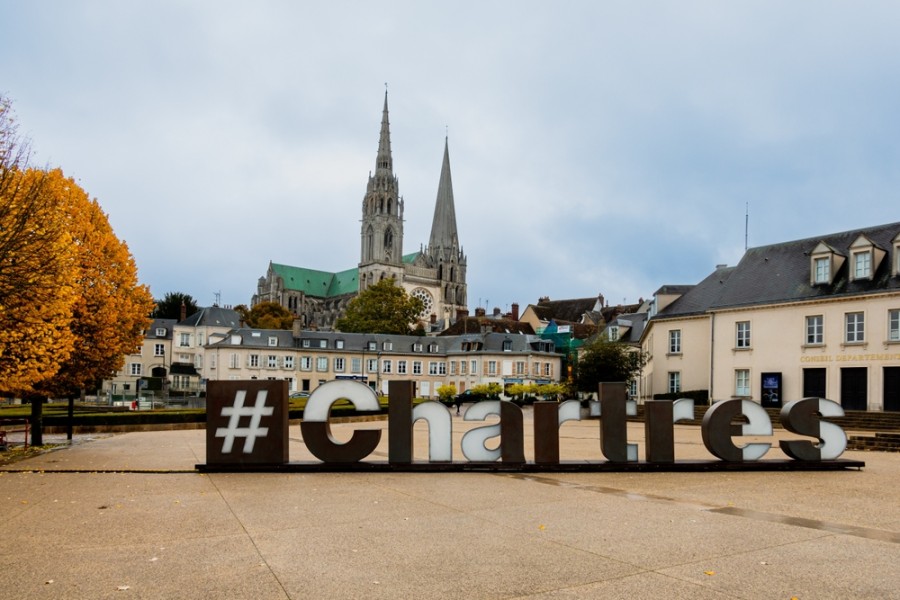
135, 369
674, 382
322, 364
417, 367
432, 368
492, 367
289, 362
306, 363
815, 330
271, 361
742, 382
253, 361
823, 269
854, 327
401, 367
674, 341
159, 349
339, 364
742, 335
273, 341
894, 325
386, 365
862, 265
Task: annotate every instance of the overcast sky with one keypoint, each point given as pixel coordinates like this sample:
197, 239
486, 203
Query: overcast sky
595, 147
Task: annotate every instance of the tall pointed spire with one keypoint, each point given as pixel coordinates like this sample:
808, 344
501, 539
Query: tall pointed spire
443, 227
383, 161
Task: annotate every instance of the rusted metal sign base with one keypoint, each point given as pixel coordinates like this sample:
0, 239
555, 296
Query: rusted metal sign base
682, 466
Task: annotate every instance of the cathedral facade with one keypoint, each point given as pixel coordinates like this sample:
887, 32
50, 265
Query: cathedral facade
436, 273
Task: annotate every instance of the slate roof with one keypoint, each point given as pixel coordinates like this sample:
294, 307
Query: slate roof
635, 323
697, 299
358, 342
214, 316
166, 324
781, 272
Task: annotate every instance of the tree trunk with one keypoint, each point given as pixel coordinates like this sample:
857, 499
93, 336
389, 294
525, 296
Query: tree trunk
37, 420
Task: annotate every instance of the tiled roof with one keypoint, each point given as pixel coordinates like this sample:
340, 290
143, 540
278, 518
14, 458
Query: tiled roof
474, 325
570, 311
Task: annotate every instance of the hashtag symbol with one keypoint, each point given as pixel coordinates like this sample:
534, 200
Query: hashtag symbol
238, 410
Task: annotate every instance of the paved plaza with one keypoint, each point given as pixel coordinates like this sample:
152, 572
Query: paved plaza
127, 516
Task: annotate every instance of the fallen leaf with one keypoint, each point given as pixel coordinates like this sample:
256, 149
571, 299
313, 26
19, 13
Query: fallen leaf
123, 588
710, 573
542, 527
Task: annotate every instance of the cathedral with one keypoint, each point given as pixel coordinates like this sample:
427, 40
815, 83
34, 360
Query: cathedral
436, 273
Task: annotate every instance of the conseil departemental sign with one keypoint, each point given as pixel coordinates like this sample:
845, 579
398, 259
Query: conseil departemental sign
247, 430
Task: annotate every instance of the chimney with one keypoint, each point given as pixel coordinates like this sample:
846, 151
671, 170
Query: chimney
479, 312
297, 327
433, 318
496, 311
515, 311
462, 313
183, 311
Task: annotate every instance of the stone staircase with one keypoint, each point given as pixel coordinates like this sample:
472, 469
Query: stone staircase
880, 442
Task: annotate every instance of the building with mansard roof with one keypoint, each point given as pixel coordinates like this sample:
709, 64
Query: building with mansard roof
436, 273
817, 317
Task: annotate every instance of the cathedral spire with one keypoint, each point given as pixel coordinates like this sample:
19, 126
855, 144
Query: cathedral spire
383, 161
443, 228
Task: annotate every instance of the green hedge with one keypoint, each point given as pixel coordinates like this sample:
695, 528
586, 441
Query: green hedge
698, 396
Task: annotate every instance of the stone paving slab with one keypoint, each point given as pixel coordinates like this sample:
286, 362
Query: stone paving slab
132, 519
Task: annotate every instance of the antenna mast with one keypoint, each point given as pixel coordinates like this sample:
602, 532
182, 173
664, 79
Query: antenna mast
746, 223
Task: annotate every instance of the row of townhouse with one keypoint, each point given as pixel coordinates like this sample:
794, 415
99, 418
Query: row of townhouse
814, 317
307, 359
171, 357
180, 357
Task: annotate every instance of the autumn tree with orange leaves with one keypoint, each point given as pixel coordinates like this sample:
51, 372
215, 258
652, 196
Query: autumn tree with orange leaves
71, 306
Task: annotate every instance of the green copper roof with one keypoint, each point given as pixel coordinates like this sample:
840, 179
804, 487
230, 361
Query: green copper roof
321, 284
345, 282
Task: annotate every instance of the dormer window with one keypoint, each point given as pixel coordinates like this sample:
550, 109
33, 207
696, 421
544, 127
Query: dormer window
372, 346
433, 348
866, 257
862, 265
160, 332
417, 347
613, 333
823, 270
387, 346
824, 262
273, 340
507, 345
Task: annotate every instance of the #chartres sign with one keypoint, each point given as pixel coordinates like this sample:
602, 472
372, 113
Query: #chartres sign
247, 429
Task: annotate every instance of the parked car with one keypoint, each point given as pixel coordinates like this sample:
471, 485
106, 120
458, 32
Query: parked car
299, 395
